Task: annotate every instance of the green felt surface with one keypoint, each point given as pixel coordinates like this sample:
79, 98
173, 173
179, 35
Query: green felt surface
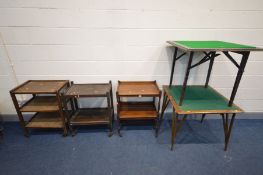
212, 45
200, 98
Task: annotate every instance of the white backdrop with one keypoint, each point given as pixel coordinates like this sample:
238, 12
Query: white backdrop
100, 40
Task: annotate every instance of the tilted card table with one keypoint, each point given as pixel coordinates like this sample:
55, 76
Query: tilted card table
204, 99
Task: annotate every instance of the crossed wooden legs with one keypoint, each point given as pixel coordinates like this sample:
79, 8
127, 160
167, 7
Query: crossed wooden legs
177, 124
227, 127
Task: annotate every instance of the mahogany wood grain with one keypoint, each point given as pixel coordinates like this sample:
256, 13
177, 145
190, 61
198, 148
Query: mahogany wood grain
137, 110
40, 86
45, 120
138, 88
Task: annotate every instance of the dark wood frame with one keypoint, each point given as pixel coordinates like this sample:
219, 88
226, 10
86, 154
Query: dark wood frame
75, 109
120, 105
209, 55
57, 95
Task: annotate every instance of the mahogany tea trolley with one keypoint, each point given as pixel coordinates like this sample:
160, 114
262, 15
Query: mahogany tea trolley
45, 103
90, 116
138, 110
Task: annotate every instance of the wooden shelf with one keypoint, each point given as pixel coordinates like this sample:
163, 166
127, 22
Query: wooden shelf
137, 110
45, 120
41, 104
90, 116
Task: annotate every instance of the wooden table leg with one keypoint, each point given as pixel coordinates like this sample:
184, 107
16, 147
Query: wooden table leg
1, 132
229, 131
164, 106
173, 64
203, 117
118, 122
186, 78
158, 115
20, 115
176, 126
61, 114
210, 68
174, 122
224, 125
238, 77
227, 128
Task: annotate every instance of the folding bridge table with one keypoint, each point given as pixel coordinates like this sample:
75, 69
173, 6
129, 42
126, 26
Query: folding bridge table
203, 99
